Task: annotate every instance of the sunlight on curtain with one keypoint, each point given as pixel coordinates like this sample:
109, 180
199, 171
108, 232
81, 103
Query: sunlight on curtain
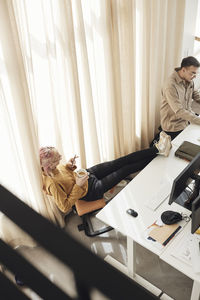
103, 101
20, 171
56, 77
93, 72
33, 26
83, 76
139, 72
123, 62
86, 78
158, 44
97, 32
69, 70
16, 137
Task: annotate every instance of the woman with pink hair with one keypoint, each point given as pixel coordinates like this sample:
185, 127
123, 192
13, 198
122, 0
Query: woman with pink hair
66, 186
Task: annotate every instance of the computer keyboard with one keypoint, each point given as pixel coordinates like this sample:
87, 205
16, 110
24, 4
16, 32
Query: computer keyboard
159, 196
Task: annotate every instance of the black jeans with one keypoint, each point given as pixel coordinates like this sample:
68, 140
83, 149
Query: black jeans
106, 175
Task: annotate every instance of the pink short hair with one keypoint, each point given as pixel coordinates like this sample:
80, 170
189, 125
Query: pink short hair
47, 155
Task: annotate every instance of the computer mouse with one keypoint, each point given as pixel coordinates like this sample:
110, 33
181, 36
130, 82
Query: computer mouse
132, 212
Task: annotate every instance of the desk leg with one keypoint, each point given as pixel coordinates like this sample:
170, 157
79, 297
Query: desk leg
195, 291
131, 257
130, 269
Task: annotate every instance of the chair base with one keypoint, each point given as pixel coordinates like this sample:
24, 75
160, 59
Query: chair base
88, 228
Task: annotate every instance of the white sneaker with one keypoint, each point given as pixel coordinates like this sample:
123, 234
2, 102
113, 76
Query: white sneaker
164, 144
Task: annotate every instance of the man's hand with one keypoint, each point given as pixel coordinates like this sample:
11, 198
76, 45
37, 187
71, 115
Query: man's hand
71, 164
81, 180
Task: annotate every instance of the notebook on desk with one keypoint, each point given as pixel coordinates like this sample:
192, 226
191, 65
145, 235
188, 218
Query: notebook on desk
187, 150
163, 234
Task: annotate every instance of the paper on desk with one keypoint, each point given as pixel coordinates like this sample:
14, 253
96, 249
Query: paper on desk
182, 251
187, 251
195, 253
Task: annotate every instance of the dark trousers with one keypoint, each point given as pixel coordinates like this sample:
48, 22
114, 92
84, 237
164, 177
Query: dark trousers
173, 134
106, 175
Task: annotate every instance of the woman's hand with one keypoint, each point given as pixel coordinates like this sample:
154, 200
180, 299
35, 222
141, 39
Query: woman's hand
81, 180
71, 164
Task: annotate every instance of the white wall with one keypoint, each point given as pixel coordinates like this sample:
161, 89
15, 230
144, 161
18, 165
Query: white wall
190, 46
189, 27
197, 44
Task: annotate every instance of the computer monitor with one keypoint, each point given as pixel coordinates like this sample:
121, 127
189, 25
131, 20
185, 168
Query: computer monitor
195, 214
186, 190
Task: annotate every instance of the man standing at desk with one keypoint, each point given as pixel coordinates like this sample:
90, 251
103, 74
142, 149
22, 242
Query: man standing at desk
177, 96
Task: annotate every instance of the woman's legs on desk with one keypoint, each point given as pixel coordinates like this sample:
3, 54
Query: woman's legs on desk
106, 175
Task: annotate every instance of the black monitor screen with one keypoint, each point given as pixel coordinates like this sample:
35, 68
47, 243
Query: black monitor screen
186, 190
182, 187
195, 214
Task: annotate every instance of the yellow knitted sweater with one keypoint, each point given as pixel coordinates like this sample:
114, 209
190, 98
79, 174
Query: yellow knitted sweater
62, 186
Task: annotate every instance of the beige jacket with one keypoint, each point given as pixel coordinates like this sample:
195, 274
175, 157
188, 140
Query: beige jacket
177, 97
62, 186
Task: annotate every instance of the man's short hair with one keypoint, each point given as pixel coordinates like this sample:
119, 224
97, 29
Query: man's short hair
190, 61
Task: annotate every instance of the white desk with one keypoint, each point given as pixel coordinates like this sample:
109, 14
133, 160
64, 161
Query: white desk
134, 195
190, 134
181, 265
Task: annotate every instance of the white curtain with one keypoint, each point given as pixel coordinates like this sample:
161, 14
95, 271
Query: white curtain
197, 44
159, 33
83, 76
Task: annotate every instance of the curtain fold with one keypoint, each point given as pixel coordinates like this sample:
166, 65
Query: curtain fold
83, 76
159, 34
20, 171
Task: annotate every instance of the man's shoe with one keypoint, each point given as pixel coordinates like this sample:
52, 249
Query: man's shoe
164, 144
